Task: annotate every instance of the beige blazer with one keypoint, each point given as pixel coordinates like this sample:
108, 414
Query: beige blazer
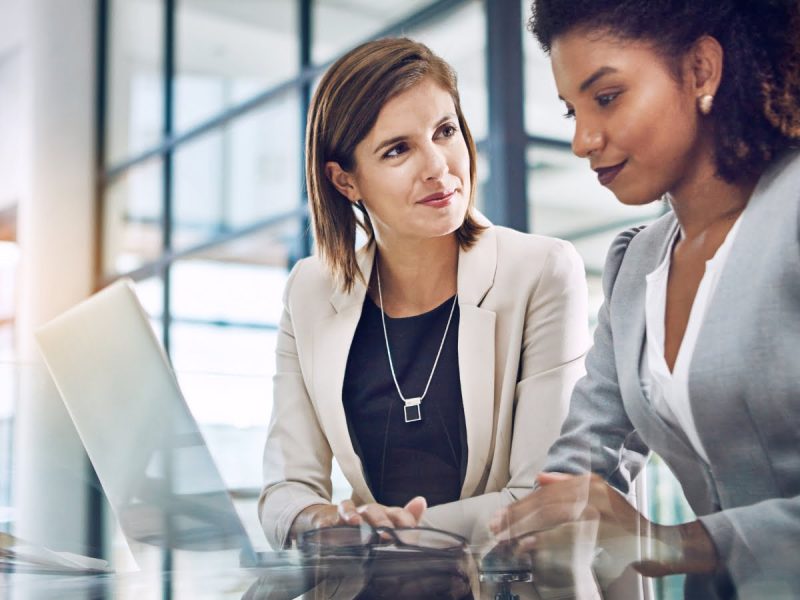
522, 336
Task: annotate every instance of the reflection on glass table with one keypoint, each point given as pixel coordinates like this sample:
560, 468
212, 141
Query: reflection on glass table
168, 494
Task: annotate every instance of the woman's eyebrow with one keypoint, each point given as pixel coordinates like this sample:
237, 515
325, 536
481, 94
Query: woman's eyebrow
389, 142
601, 72
593, 78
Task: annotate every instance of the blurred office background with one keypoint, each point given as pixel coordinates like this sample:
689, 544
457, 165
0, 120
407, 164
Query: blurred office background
163, 140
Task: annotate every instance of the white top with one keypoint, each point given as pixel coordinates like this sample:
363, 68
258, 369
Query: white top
669, 392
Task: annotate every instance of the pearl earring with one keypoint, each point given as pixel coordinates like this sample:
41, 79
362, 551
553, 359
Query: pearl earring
705, 103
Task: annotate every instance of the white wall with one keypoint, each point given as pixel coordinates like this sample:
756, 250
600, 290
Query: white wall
10, 24
56, 213
10, 100
55, 234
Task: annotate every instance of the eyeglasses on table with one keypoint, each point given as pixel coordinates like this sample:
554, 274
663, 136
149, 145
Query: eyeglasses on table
358, 540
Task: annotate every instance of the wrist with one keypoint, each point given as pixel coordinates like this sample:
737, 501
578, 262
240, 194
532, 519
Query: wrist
662, 551
312, 517
674, 549
699, 552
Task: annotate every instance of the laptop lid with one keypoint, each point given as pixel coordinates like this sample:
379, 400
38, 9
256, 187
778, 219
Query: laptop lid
148, 452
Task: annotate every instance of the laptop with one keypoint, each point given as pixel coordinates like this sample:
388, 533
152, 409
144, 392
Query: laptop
147, 449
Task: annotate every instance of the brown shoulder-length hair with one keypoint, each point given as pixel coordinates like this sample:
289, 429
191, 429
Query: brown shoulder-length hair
343, 110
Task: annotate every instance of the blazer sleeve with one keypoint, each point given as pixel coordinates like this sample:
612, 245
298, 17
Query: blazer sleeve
297, 456
551, 361
757, 544
597, 435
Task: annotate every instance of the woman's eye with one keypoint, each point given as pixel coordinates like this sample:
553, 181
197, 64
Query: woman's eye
449, 130
570, 113
606, 99
396, 150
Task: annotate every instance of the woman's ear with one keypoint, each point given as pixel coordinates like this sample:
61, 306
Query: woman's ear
705, 65
343, 181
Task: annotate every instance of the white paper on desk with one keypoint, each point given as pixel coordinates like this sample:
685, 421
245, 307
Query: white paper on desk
15, 550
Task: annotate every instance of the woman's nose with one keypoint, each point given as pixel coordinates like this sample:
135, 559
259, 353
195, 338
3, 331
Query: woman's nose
587, 139
435, 163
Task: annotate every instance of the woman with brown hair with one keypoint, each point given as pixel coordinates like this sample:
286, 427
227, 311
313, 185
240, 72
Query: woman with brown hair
435, 362
696, 349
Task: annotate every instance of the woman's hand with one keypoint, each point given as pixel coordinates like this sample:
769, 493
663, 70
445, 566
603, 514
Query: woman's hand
318, 516
313, 517
550, 519
564, 499
579, 515
379, 515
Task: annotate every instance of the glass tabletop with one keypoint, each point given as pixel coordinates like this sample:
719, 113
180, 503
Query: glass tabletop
162, 516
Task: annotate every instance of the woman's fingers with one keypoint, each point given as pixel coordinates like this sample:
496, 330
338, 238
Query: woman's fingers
547, 478
570, 493
375, 515
416, 506
379, 515
561, 500
539, 517
400, 517
348, 513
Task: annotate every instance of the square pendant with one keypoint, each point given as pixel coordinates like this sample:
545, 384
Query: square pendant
412, 411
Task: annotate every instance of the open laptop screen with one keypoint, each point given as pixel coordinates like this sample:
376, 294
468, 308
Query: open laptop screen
141, 438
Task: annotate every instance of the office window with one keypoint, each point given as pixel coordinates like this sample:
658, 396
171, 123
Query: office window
228, 51
543, 109
238, 174
265, 153
341, 24
132, 219
225, 307
135, 89
459, 36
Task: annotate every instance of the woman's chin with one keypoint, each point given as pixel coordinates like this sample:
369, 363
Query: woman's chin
634, 199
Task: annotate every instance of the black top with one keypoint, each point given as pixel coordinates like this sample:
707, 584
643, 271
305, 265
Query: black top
402, 460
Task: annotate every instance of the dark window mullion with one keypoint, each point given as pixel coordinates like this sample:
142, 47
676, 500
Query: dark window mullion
506, 203
167, 230
306, 24
95, 500
168, 163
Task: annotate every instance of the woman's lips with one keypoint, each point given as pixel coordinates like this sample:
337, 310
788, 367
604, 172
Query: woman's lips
438, 200
605, 175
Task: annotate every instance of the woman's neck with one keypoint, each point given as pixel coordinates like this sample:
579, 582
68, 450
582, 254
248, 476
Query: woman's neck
709, 204
415, 278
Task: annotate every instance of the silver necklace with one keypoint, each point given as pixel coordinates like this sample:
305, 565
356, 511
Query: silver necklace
412, 407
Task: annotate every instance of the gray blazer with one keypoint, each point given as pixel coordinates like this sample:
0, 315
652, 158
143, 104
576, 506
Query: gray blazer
744, 383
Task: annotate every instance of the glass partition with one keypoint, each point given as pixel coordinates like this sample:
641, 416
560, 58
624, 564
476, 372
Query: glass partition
229, 51
132, 233
135, 91
339, 25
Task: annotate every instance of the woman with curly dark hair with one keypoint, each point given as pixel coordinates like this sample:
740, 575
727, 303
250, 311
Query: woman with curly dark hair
696, 350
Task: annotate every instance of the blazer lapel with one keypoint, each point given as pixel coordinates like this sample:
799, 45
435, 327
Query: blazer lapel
629, 316
333, 336
476, 339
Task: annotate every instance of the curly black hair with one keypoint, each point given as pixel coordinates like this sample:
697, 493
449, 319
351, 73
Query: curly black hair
756, 112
